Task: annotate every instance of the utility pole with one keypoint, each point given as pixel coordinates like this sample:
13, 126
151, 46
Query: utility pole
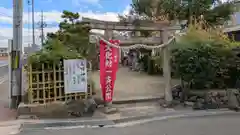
42, 25
29, 24
33, 26
16, 50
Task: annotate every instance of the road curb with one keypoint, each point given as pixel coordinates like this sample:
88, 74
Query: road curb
122, 122
132, 100
137, 100
62, 124
171, 117
176, 114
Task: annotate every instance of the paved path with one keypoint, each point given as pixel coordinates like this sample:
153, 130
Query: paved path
208, 125
135, 85
6, 115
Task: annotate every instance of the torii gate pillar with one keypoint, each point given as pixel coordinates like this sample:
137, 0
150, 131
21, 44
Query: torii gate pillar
166, 68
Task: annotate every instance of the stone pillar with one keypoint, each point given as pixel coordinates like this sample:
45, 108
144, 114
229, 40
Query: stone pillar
233, 19
166, 68
119, 56
108, 34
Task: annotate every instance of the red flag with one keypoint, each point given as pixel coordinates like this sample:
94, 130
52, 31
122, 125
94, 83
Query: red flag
108, 69
116, 56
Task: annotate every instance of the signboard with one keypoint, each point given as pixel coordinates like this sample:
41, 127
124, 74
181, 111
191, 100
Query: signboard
75, 75
108, 69
92, 39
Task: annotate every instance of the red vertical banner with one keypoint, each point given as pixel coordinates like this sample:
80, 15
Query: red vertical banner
115, 56
102, 63
108, 69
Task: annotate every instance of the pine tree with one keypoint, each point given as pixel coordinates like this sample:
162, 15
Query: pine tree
73, 34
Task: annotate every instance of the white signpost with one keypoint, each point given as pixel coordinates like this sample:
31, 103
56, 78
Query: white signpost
75, 75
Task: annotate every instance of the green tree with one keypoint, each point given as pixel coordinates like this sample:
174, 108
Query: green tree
73, 34
213, 11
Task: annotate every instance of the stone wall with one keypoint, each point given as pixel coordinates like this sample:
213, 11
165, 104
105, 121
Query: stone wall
208, 99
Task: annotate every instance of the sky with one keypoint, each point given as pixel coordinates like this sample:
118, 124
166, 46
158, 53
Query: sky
107, 10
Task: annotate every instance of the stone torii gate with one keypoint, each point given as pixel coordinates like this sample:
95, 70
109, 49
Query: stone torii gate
162, 42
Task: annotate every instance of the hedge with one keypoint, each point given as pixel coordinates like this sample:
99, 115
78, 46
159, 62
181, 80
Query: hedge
205, 64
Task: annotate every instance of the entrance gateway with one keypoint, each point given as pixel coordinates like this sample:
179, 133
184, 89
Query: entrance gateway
150, 43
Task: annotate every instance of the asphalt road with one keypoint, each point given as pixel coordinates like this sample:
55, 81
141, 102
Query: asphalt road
209, 125
3, 62
3, 69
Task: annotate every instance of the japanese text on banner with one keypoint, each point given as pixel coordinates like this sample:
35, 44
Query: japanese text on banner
109, 88
108, 69
108, 57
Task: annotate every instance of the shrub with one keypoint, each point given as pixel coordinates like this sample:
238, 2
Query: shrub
150, 70
53, 52
208, 63
51, 58
157, 65
145, 62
